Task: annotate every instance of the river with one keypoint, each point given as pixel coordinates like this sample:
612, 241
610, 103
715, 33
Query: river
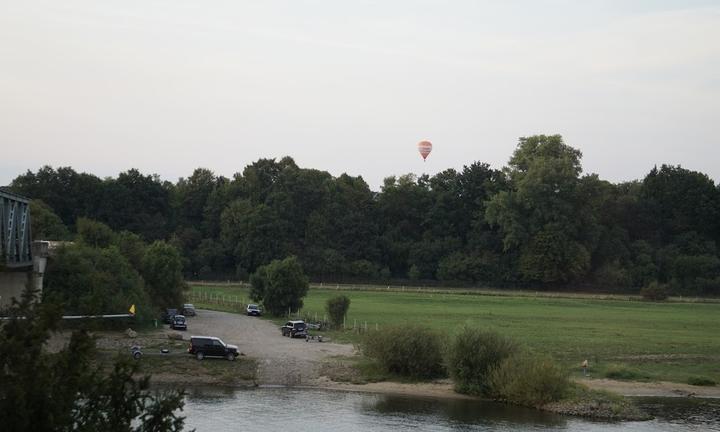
297, 410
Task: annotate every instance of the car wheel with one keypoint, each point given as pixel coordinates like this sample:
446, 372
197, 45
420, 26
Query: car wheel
230, 356
200, 356
137, 355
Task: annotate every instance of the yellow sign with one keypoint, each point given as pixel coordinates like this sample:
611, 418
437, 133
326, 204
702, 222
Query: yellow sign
132, 309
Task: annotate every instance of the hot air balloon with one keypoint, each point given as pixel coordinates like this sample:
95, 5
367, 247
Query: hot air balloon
424, 147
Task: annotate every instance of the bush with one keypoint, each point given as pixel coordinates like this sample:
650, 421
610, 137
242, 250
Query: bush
408, 350
654, 291
528, 379
626, 374
473, 354
701, 381
337, 308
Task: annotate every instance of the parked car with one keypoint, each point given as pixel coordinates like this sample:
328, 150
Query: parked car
178, 323
254, 310
294, 328
209, 346
188, 309
168, 315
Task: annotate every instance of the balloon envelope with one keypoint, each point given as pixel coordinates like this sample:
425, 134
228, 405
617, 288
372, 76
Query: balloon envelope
424, 147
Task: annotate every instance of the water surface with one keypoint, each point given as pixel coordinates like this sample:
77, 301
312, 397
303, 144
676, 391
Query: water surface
297, 410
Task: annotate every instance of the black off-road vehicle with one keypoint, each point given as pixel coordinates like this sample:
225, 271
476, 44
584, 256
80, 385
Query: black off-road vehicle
209, 346
294, 329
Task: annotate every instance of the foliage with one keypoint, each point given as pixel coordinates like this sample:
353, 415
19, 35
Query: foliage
45, 224
543, 213
539, 222
90, 281
94, 233
530, 379
654, 291
701, 381
162, 271
337, 308
280, 286
473, 354
65, 390
407, 350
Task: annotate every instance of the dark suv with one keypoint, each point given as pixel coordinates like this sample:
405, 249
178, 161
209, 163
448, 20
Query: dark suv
168, 315
294, 328
178, 323
208, 346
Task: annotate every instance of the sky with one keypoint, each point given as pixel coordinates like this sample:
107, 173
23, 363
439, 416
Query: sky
351, 87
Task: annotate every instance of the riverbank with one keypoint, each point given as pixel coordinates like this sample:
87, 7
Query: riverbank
620, 337
268, 359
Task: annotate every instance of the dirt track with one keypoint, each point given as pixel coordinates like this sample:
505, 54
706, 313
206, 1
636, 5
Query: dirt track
281, 360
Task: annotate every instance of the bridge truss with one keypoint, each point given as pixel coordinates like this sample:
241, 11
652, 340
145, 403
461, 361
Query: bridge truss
15, 238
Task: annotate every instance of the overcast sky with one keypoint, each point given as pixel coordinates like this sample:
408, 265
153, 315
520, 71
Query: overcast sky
352, 86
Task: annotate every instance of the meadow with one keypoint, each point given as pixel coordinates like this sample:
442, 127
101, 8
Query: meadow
621, 337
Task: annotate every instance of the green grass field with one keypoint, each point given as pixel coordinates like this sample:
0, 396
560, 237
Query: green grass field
671, 341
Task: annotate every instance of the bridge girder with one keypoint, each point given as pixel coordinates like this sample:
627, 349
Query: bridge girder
15, 236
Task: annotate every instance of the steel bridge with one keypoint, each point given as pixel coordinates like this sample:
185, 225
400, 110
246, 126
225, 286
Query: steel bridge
15, 238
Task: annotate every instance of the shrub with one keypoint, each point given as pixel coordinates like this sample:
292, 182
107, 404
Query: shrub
407, 350
654, 291
337, 308
528, 379
473, 354
626, 374
701, 381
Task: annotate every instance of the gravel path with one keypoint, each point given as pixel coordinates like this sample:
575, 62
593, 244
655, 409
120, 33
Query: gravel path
281, 360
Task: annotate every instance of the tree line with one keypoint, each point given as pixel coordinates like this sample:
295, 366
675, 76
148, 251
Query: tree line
538, 222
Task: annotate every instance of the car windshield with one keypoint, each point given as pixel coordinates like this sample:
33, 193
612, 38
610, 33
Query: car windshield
252, 306
180, 319
299, 326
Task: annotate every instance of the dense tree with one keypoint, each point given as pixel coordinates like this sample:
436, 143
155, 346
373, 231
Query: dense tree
138, 203
70, 194
94, 233
162, 271
45, 224
89, 280
542, 214
280, 286
678, 200
64, 391
538, 222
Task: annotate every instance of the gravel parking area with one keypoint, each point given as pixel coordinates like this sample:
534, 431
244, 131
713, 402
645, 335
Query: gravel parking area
281, 360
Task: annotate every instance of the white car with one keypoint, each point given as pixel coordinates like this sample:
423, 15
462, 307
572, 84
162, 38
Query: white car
253, 310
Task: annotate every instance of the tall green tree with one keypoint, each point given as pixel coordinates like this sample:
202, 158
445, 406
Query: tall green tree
541, 214
280, 286
678, 200
162, 271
